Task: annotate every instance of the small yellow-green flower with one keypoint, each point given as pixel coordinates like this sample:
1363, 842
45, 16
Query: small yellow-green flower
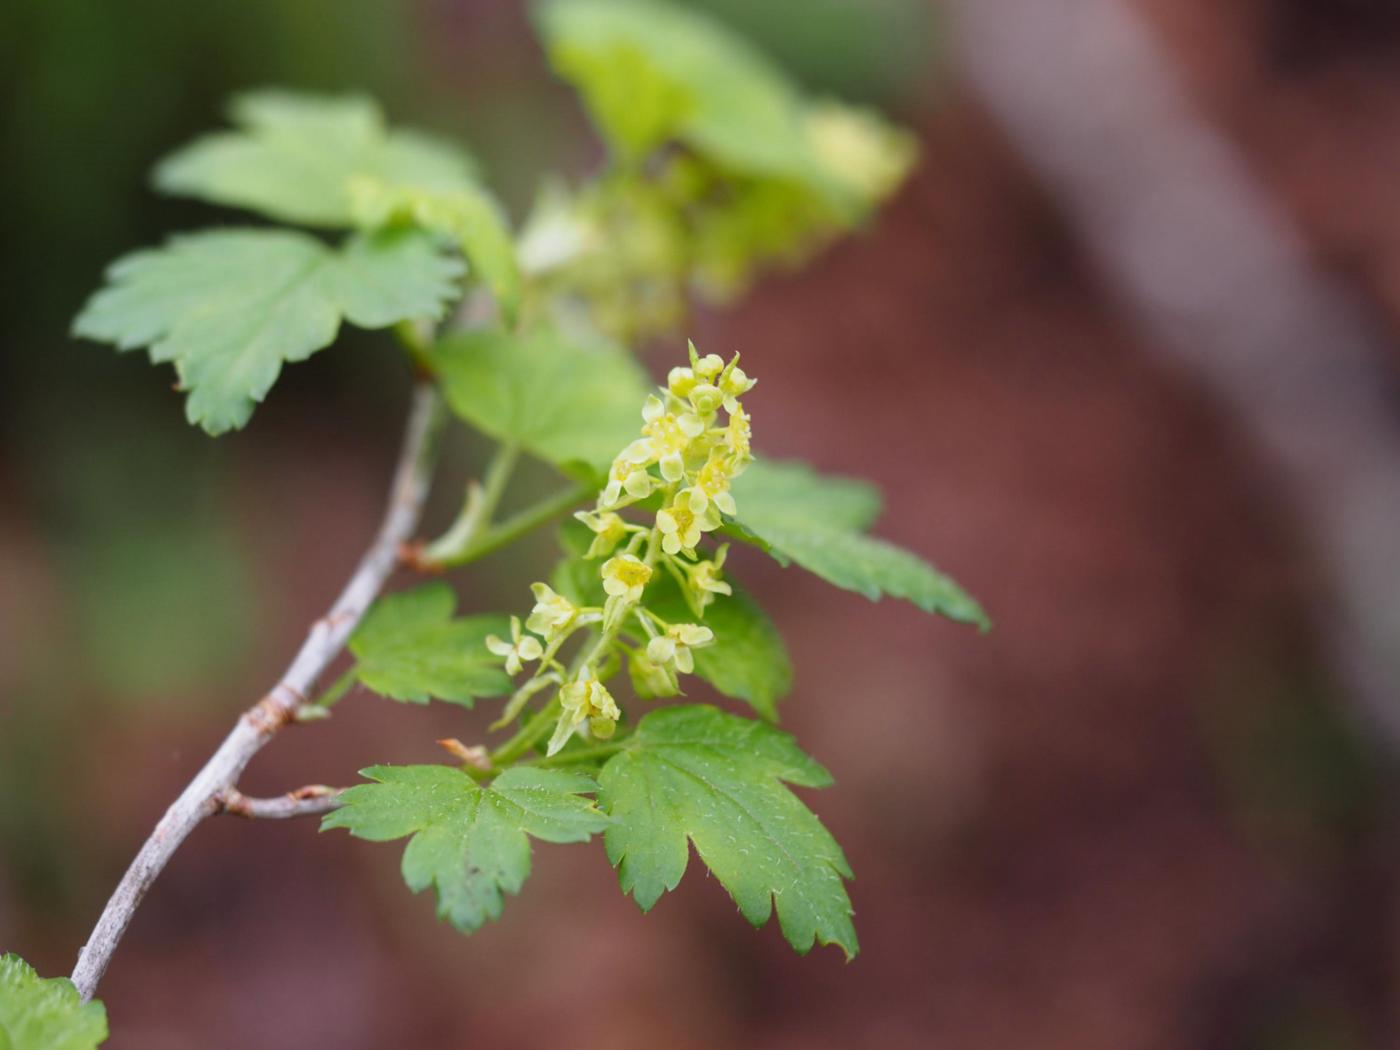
608, 531
520, 650
681, 381
706, 398
706, 367
625, 576
629, 475
673, 649
704, 581
669, 435
584, 699
712, 486
681, 528
651, 680
552, 615
736, 437
734, 384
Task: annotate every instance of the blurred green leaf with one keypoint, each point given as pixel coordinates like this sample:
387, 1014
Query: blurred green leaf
694, 774
297, 158
228, 307
650, 72
410, 648
467, 841
39, 1014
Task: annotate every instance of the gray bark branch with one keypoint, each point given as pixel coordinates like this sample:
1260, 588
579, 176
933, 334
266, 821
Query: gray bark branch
327, 637
308, 801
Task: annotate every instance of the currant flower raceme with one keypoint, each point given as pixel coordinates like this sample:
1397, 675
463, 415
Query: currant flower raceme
689, 457
520, 650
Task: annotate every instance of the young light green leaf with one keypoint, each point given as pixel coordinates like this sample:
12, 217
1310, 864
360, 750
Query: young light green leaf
469, 215
747, 659
468, 841
296, 158
229, 307
650, 72
39, 1014
693, 774
330, 161
409, 647
571, 404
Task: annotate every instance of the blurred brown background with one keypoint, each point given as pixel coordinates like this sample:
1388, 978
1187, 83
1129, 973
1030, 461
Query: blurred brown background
1152, 809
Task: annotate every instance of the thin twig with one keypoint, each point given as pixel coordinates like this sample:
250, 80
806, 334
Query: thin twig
262, 721
309, 801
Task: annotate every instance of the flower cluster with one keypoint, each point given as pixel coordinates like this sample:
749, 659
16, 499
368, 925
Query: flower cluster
683, 464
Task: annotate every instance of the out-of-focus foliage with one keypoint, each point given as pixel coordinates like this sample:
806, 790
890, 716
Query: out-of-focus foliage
721, 165
38, 1014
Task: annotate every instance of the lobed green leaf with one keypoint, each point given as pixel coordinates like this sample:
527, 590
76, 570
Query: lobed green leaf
45, 1014
468, 842
228, 308
409, 648
693, 774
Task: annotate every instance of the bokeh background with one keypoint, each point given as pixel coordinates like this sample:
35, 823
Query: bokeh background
1152, 809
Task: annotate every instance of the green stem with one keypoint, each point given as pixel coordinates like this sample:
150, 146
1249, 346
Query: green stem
529, 734
480, 504
578, 754
331, 695
510, 530
416, 339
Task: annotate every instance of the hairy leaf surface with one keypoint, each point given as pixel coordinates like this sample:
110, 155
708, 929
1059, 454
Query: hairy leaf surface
571, 404
39, 1014
468, 842
693, 774
229, 307
410, 648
